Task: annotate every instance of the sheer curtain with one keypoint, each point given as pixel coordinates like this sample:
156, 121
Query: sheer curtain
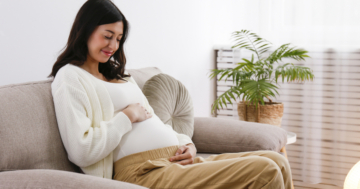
324, 113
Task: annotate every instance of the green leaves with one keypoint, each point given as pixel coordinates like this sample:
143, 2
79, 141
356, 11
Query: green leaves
236, 74
284, 51
256, 91
254, 79
250, 41
227, 95
293, 73
252, 91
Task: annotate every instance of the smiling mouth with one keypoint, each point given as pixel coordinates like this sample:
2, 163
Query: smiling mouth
106, 53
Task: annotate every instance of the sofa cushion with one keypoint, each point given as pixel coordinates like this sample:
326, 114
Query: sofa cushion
29, 134
220, 135
56, 179
171, 102
141, 75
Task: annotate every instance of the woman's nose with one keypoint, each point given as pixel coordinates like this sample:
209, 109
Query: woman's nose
113, 45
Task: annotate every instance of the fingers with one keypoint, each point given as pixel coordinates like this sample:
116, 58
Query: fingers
180, 150
185, 158
183, 152
180, 157
186, 161
148, 114
141, 112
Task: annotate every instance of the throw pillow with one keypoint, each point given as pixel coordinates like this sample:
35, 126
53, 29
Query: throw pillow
171, 102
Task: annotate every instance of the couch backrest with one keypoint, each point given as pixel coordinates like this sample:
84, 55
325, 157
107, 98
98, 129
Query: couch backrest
141, 75
29, 134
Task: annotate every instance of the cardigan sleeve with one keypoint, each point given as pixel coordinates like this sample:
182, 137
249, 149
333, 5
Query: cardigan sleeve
85, 142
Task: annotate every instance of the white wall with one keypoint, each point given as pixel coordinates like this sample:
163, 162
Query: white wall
178, 37
175, 36
31, 35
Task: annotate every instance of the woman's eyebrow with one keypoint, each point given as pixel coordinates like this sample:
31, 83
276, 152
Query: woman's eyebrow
112, 32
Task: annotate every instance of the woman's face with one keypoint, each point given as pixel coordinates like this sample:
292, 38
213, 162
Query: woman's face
104, 41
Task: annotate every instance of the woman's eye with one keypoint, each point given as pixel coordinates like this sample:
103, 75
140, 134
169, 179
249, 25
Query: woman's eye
111, 38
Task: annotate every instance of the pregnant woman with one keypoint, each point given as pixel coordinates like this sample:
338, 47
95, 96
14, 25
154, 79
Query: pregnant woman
109, 129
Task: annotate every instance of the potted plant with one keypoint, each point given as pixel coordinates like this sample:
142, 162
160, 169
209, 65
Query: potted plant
257, 79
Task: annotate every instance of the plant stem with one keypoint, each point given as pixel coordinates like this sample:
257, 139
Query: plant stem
257, 54
268, 99
258, 113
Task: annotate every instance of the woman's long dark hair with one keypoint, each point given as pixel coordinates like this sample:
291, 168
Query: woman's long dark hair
90, 15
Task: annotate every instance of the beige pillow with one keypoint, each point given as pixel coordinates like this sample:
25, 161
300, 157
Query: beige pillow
171, 102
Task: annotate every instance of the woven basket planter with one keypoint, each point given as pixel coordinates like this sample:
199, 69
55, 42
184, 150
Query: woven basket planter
270, 113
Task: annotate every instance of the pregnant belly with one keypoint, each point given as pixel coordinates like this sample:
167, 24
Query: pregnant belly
146, 135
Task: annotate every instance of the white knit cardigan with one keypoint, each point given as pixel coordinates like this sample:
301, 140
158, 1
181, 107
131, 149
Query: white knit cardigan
87, 125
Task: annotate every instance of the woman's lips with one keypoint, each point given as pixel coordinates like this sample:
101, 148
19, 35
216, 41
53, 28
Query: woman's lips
106, 53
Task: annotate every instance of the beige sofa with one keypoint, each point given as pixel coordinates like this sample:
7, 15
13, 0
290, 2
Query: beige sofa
33, 156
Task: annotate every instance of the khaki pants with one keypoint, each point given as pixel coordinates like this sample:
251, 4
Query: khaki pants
253, 170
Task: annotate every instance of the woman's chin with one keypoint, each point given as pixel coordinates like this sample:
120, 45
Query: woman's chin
103, 60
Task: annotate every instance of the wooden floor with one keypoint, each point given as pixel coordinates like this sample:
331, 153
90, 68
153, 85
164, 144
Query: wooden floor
301, 185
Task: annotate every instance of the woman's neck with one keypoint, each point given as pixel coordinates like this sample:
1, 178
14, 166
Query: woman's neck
91, 66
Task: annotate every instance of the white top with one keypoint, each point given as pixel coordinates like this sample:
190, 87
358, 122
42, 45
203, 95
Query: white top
89, 129
146, 135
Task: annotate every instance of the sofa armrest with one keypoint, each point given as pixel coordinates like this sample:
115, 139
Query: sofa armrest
47, 178
220, 135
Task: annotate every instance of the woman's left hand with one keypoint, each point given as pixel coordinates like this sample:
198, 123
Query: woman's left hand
185, 154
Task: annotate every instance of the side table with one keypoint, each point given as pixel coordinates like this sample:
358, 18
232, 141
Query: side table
291, 138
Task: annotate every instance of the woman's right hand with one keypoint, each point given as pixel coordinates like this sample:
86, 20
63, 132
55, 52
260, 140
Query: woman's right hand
136, 112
